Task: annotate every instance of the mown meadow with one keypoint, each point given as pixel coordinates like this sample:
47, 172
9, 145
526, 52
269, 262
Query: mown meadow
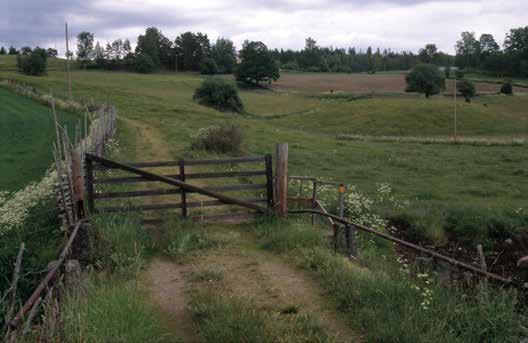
437, 179
449, 190
27, 133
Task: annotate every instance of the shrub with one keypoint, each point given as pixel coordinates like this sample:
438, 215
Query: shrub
467, 89
219, 94
224, 138
144, 64
507, 88
459, 74
425, 78
33, 63
209, 67
447, 72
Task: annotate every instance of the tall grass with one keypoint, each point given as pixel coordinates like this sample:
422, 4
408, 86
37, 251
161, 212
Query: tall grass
122, 241
182, 238
111, 310
389, 305
283, 235
388, 308
223, 319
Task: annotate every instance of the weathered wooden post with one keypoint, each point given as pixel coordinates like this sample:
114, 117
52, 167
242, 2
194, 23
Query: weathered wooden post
269, 181
183, 193
89, 182
314, 201
78, 182
281, 179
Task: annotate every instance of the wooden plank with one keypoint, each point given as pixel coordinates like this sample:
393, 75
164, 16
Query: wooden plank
211, 175
169, 191
89, 184
130, 194
183, 193
234, 160
168, 206
269, 181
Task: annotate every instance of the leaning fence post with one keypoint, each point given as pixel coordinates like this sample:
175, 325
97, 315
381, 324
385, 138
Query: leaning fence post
183, 193
269, 181
281, 179
89, 183
314, 201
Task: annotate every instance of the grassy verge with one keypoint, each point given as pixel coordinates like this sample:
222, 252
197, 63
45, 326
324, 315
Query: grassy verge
224, 319
392, 305
111, 307
111, 310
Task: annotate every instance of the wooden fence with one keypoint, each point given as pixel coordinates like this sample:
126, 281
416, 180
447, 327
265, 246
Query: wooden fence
69, 156
184, 185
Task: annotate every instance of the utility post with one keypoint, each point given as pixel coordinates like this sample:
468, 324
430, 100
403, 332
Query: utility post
68, 62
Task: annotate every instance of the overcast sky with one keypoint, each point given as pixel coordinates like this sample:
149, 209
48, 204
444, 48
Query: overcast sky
395, 24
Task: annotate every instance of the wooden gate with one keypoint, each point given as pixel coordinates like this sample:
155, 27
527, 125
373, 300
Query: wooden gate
182, 184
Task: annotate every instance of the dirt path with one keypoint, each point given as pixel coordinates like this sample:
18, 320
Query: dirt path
269, 281
266, 279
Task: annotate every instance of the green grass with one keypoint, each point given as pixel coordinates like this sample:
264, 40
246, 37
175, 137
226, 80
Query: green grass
226, 319
436, 176
389, 305
111, 310
27, 133
9, 64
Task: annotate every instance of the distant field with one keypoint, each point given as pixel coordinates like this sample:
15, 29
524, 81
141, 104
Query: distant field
26, 136
440, 176
8, 63
378, 83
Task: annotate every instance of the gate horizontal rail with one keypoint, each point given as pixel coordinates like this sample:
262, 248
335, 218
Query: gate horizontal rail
179, 181
210, 175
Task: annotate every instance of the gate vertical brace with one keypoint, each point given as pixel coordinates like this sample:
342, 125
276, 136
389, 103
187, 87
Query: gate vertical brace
183, 192
314, 201
89, 183
269, 180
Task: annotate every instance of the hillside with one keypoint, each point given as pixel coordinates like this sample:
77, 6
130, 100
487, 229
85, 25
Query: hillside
27, 136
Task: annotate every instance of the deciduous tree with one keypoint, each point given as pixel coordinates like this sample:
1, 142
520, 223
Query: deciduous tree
426, 79
85, 47
257, 64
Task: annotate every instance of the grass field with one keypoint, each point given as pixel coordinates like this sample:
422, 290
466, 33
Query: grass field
357, 82
8, 63
434, 177
26, 135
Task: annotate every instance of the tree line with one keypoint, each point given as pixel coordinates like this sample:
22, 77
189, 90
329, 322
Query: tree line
485, 53
188, 52
194, 52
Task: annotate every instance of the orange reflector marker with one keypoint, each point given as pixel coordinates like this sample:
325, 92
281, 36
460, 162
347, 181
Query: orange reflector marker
341, 188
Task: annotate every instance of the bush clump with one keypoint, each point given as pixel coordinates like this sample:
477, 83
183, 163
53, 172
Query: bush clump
507, 88
223, 138
144, 64
33, 63
467, 89
209, 67
219, 94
